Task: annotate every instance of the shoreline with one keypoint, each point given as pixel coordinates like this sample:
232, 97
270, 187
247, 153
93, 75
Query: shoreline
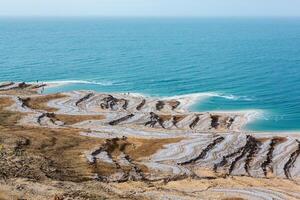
191, 100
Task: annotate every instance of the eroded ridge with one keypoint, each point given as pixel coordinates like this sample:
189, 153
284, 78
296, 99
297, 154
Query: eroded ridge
122, 166
247, 151
86, 97
204, 152
291, 162
269, 158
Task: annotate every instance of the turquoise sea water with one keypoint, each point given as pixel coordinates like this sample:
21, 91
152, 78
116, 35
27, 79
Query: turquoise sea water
239, 63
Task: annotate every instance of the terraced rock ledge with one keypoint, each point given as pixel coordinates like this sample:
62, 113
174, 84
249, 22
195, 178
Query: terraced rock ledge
89, 145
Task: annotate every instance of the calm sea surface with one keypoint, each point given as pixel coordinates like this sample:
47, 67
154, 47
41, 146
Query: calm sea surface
238, 64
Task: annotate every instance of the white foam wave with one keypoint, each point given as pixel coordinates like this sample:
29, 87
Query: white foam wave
205, 95
59, 83
233, 97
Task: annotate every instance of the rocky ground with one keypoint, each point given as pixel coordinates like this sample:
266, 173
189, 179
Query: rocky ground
88, 145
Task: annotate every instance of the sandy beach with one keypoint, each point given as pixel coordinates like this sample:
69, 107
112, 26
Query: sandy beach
91, 145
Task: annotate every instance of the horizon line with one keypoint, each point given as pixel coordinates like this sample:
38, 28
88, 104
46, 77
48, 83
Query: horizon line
148, 16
